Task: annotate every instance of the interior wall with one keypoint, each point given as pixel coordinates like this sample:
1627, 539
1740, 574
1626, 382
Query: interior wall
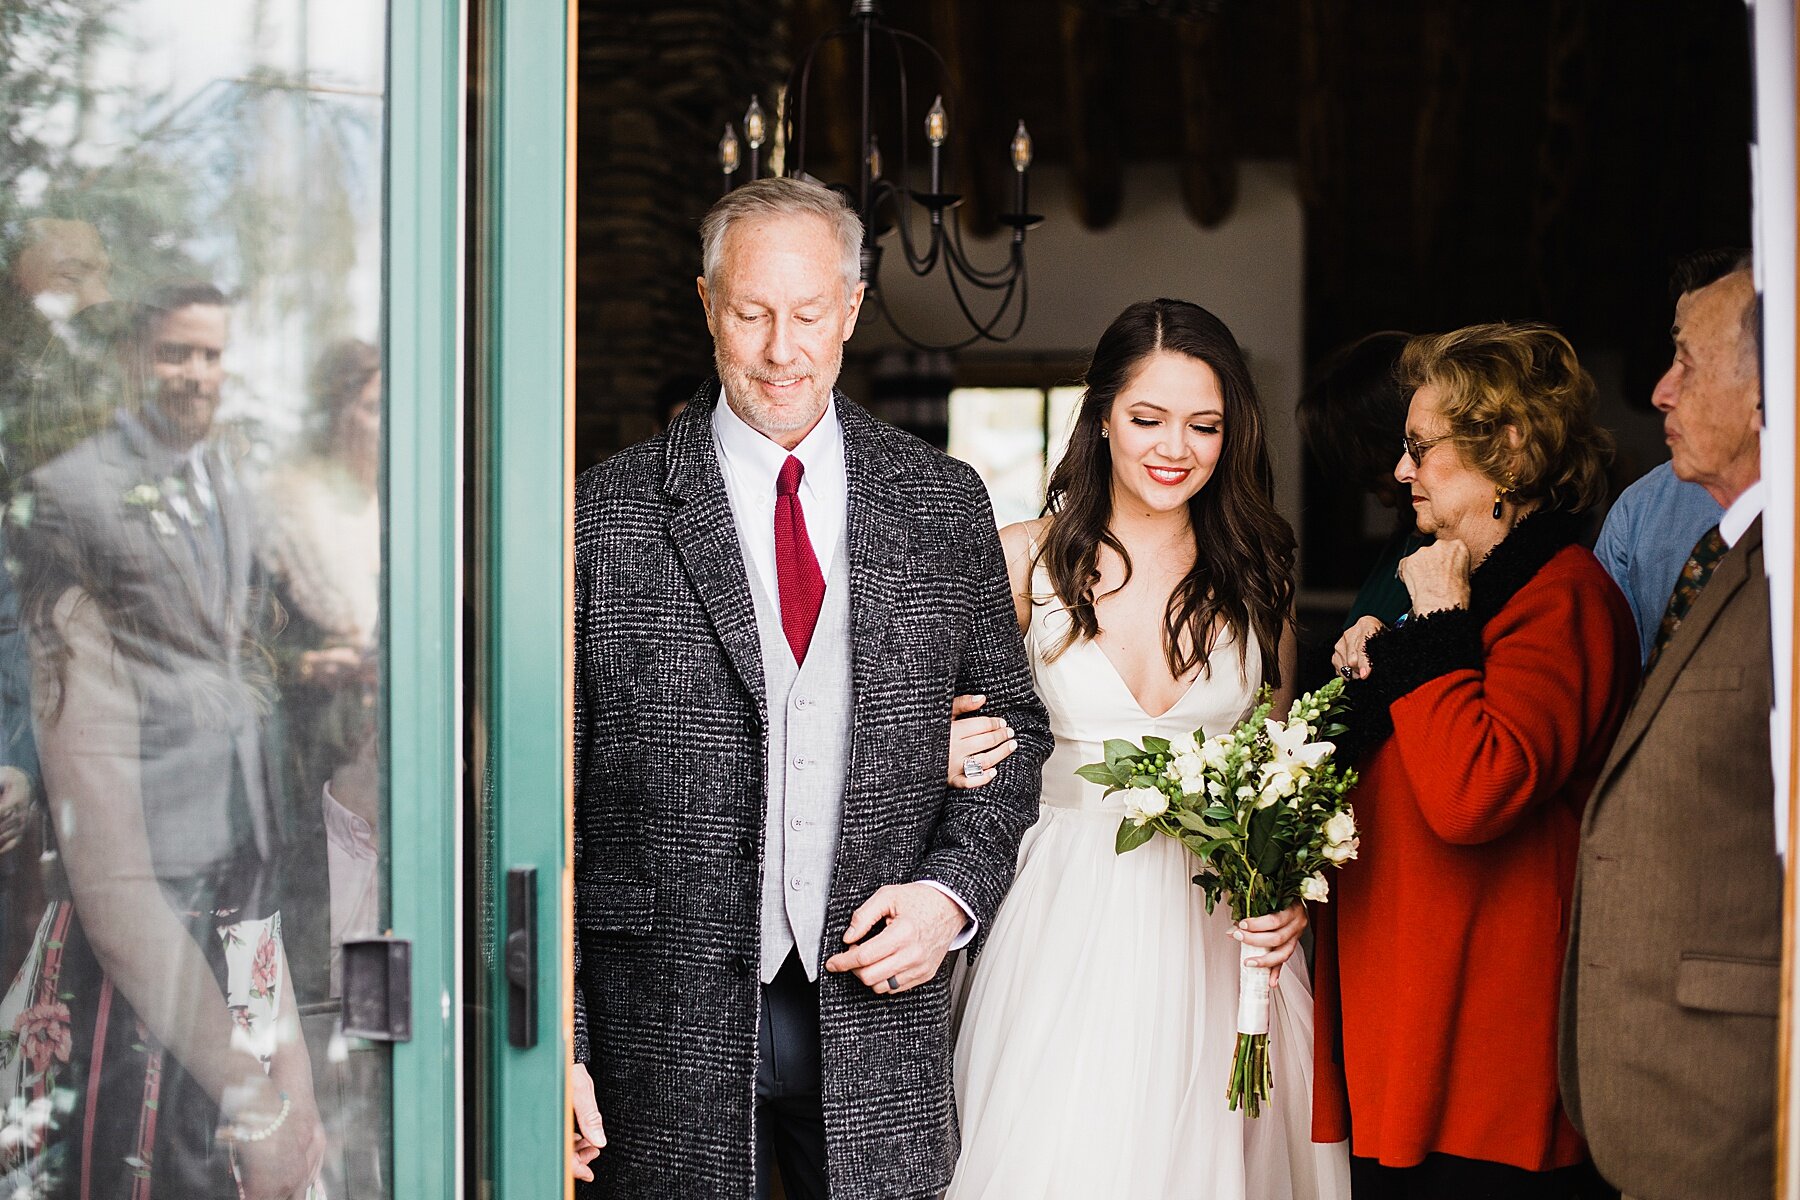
1247, 270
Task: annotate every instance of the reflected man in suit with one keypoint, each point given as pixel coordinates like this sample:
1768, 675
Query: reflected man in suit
150, 704
1671, 984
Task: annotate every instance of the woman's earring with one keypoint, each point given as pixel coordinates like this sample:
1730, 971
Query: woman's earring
1105, 432
1499, 493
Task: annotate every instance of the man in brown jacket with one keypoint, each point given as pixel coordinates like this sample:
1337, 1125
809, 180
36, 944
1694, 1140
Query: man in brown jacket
1672, 980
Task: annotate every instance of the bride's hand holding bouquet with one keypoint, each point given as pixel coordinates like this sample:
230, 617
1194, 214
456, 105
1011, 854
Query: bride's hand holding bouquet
1265, 809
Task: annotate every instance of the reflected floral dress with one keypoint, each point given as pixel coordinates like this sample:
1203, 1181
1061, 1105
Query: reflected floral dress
93, 1107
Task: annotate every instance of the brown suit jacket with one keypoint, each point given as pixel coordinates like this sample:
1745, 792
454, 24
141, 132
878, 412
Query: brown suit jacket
1672, 980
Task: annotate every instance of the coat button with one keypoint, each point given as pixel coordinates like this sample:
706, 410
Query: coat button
741, 963
747, 846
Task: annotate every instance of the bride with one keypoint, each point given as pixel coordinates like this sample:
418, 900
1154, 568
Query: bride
1155, 599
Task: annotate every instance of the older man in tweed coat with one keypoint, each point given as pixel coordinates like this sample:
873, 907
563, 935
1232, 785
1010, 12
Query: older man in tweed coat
761, 738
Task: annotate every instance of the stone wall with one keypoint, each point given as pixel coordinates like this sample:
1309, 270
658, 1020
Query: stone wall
657, 84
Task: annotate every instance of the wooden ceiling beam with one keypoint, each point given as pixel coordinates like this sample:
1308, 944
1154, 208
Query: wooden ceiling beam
1209, 173
1090, 57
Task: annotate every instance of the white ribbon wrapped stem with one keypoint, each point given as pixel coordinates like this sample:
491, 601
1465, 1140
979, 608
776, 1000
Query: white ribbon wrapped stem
1253, 992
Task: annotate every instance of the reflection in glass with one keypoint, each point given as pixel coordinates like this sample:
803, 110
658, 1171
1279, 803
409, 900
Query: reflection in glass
190, 423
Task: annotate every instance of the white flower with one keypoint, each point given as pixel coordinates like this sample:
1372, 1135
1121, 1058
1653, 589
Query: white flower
143, 495
1342, 852
1340, 829
1245, 791
1316, 889
1292, 749
1190, 771
1215, 789
1279, 778
1144, 803
1183, 743
1268, 796
1216, 750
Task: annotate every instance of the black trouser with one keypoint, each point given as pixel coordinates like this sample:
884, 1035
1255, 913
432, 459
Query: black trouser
790, 1119
1447, 1177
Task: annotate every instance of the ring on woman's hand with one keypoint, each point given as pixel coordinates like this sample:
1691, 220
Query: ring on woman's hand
971, 768
893, 983
1347, 671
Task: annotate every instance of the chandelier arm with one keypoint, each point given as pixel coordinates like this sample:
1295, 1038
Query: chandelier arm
916, 343
794, 132
904, 198
918, 264
984, 332
991, 280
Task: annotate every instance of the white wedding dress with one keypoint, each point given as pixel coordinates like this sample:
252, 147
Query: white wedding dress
1097, 1037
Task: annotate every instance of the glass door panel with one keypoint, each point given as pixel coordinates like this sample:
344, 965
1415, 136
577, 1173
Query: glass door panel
193, 783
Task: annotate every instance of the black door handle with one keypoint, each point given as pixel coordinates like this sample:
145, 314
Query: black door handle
521, 957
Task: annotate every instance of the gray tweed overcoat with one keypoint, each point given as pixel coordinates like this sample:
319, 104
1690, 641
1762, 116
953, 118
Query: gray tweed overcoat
670, 742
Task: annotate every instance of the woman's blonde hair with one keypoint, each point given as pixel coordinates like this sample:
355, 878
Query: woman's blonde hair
1525, 377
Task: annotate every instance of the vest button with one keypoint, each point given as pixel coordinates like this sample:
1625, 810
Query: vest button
803, 702
801, 763
796, 823
797, 884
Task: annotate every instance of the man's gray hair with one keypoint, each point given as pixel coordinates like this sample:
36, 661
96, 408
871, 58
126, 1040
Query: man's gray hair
782, 197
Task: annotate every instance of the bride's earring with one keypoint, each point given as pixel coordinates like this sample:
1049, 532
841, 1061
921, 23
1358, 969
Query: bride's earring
1105, 432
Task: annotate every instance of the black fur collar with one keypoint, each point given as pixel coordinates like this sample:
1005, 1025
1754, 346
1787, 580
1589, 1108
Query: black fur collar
1426, 647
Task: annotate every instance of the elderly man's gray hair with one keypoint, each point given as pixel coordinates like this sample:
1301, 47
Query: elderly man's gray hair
782, 197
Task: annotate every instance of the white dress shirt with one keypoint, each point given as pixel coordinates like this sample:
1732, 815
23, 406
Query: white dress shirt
1743, 512
749, 463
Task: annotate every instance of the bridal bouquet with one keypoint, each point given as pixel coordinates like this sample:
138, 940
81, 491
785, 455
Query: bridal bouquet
1264, 809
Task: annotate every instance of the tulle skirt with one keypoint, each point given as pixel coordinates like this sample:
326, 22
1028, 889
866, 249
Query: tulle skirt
1097, 1038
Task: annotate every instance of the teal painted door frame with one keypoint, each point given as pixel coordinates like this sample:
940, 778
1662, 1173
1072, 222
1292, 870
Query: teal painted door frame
523, 457
422, 353
515, 235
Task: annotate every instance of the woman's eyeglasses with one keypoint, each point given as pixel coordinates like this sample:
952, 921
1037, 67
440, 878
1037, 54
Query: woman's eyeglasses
1416, 447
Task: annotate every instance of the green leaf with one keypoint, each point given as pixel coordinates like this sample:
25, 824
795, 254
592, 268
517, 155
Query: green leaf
1196, 822
1217, 812
1130, 836
1119, 750
1156, 745
1098, 773
1262, 833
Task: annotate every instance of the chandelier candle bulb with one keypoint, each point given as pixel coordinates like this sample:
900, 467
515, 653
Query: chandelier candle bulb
1021, 160
937, 128
728, 153
874, 159
755, 132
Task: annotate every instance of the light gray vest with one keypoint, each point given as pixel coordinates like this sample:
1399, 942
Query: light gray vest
809, 761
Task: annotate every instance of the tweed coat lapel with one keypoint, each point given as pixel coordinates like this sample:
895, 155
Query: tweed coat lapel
705, 537
1728, 578
877, 533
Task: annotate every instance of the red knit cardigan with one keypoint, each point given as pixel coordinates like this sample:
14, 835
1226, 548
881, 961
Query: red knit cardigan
1440, 959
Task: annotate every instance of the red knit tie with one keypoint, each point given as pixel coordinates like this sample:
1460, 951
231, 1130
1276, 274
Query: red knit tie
796, 566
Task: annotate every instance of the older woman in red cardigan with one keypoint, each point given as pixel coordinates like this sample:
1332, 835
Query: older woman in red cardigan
1479, 722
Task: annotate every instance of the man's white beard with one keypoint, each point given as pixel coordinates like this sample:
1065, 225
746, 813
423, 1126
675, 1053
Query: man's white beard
741, 394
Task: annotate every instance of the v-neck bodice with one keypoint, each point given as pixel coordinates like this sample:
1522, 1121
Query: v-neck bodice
1089, 702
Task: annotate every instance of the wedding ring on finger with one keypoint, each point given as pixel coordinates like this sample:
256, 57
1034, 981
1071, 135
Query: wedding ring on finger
893, 983
972, 769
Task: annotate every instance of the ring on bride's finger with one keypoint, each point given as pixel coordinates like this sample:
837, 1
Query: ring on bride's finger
893, 983
1347, 671
971, 768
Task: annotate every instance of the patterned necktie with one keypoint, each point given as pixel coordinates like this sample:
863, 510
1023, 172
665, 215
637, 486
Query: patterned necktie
1707, 552
797, 574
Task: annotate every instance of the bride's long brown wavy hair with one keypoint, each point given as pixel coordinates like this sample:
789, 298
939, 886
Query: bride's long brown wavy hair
1243, 569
